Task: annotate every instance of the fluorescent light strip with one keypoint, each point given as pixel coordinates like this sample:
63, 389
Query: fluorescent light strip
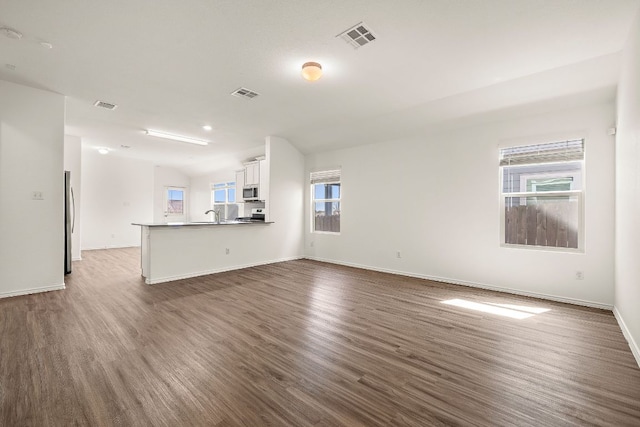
181, 138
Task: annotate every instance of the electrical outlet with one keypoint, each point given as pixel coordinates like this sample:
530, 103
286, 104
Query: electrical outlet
398, 254
226, 251
37, 195
579, 275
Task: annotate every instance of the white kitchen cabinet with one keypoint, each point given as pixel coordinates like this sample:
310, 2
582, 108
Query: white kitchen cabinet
252, 173
239, 185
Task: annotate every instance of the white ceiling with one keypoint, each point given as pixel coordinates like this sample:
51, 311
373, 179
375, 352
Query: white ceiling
171, 65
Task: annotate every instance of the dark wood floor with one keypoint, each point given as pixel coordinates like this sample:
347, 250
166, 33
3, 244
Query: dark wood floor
302, 344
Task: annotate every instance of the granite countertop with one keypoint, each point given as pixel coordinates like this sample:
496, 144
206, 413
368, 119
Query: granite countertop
201, 223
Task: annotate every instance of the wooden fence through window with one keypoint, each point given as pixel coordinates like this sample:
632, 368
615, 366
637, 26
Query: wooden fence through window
327, 223
543, 224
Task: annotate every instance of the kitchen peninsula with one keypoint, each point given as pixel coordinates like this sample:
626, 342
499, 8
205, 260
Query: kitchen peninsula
173, 251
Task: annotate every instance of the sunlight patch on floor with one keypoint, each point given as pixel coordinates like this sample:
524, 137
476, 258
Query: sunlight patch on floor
507, 310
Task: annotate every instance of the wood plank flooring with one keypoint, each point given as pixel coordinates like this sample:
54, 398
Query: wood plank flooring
303, 343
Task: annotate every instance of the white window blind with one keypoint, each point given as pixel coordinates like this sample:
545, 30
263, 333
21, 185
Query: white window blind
563, 151
329, 176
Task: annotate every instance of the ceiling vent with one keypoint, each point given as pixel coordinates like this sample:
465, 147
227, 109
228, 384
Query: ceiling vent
358, 35
244, 93
106, 105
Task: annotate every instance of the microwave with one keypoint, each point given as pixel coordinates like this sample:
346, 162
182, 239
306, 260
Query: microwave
250, 193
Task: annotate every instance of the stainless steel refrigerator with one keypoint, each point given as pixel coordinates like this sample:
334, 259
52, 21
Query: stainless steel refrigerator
69, 220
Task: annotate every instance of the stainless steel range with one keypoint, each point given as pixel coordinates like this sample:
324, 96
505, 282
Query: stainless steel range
257, 215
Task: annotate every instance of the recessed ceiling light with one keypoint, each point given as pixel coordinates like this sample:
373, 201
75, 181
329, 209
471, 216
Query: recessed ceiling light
207, 127
181, 138
103, 150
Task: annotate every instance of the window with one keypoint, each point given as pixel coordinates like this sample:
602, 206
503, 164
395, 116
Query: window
223, 199
175, 203
542, 190
326, 193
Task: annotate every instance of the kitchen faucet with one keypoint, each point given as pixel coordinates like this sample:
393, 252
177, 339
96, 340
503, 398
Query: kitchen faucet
216, 215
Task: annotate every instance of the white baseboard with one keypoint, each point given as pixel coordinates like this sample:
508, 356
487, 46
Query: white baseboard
215, 270
574, 301
110, 247
635, 349
77, 259
32, 291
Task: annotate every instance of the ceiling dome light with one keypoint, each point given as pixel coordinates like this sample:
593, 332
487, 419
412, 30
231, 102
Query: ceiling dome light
165, 135
311, 71
207, 127
103, 150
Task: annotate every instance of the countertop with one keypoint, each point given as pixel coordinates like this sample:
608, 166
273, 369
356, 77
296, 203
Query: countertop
201, 223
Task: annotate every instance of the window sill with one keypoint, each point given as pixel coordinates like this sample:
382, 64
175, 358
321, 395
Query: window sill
543, 248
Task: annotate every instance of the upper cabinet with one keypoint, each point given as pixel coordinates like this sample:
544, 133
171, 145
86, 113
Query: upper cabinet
252, 182
252, 173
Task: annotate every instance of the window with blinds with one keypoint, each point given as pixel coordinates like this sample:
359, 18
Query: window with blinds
542, 190
326, 194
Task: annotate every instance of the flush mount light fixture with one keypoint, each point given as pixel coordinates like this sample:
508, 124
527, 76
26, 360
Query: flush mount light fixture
180, 138
207, 127
311, 71
103, 150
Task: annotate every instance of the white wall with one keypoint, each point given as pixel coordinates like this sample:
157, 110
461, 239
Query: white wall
627, 266
435, 198
31, 159
164, 177
285, 202
73, 163
115, 192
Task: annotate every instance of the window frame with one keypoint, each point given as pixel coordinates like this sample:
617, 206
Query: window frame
580, 194
225, 185
335, 179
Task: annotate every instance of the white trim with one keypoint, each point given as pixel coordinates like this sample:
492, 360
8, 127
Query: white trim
32, 291
573, 301
109, 247
77, 258
216, 270
633, 345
